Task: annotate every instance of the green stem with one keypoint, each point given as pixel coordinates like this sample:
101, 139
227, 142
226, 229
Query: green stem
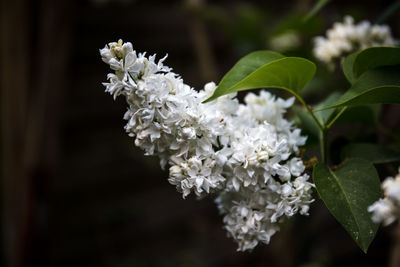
323, 131
311, 112
335, 118
323, 142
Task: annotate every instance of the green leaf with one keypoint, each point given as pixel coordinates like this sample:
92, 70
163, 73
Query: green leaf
347, 193
270, 70
360, 114
371, 152
371, 58
347, 66
317, 7
244, 67
377, 86
375, 57
325, 115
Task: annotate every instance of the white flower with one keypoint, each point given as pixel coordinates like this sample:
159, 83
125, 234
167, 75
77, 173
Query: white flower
387, 210
252, 216
383, 211
247, 219
196, 175
285, 41
347, 37
243, 153
296, 166
391, 187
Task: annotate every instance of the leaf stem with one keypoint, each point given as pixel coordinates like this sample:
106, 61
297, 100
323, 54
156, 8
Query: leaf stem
335, 118
323, 143
310, 111
323, 130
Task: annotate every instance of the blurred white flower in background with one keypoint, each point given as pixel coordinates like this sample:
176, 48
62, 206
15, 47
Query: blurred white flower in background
387, 209
285, 41
246, 154
344, 38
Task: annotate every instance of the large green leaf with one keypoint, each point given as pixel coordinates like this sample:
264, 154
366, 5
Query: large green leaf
371, 58
347, 193
266, 69
376, 86
371, 152
245, 66
375, 57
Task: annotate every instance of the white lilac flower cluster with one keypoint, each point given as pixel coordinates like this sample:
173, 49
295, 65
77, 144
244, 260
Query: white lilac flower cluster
348, 37
387, 209
243, 153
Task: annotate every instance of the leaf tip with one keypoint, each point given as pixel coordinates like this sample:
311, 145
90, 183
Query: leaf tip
211, 98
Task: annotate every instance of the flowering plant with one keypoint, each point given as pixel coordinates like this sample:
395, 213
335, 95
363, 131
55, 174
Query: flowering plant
247, 155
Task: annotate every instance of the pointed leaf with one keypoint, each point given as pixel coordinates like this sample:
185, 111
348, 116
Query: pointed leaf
371, 58
245, 66
347, 193
289, 73
377, 86
375, 57
371, 152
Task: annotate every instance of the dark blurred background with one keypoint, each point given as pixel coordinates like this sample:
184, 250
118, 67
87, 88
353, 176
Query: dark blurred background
75, 191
